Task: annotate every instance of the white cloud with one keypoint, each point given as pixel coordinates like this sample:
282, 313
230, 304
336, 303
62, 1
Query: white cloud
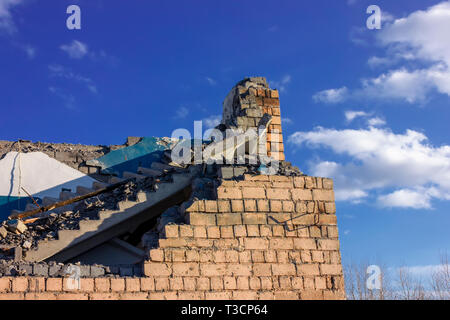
211, 81
76, 49
377, 121
67, 98
281, 85
286, 121
62, 72
350, 115
331, 95
6, 20
407, 198
380, 159
212, 121
181, 113
417, 38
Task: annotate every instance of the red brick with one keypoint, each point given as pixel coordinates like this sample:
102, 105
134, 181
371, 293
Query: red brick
5, 284
245, 257
12, 296
176, 283
203, 283
169, 295
242, 283
118, 285
250, 205
299, 182
134, 296
227, 219
265, 231
254, 218
213, 269
300, 244
191, 295
102, 284
157, 269
326, 244
279, 194
20, 284
192, 256
87, 284
223, 206
229, 193
276, 206
213, 232
132, 284
231, 256
200, 232
283, 269
257, 256
330, 207
236, 269
40, 296
190, 283
237, 206
157, 255
186, 269
147, 284
171, 231
253, 193
320, 283
202, 219
222, 295
282, 243
226, 232
262, 269
54, 284
162, 284
308, 270
216, 283
104, 296
323, 195
211, 206
286, 295
72, 296
253, 230
288, 206
301, 194
311, 295
263, 205
327, 183
255, 244
240, 231
308, 283
331, 269
186, 231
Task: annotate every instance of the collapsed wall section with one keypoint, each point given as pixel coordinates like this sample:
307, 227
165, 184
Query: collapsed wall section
264, 237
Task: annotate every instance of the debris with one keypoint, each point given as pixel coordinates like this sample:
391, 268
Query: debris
16, 226
3, 232
26, 244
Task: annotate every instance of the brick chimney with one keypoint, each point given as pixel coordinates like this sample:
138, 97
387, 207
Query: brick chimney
245, 106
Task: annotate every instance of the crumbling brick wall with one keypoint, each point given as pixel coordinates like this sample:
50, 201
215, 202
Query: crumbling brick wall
245, 106
233, 248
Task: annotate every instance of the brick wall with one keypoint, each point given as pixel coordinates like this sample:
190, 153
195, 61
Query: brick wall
231, 249
245, 106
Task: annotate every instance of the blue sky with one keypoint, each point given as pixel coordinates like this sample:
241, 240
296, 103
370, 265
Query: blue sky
369, 108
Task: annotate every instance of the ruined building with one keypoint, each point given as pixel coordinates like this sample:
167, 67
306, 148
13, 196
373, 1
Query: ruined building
132, 222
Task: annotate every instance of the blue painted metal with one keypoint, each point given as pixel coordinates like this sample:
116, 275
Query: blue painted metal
142, 154
9, 203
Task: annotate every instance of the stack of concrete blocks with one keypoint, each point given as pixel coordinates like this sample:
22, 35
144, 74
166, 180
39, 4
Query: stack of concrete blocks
245, 106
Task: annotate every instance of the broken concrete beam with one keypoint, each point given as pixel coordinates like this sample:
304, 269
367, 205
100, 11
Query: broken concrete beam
3, 232
16, 226
128, 175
